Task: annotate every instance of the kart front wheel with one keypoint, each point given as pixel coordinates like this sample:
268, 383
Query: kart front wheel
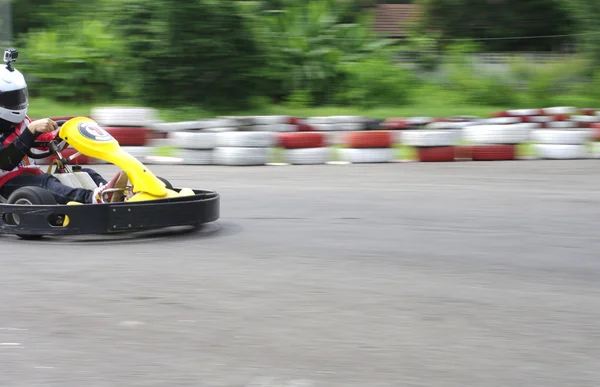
29, 196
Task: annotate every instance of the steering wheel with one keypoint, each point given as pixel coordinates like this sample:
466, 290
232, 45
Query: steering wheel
56, 145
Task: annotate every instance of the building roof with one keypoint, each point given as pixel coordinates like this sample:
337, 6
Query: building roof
391, 19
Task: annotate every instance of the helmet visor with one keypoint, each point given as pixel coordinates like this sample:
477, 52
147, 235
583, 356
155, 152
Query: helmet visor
14, 99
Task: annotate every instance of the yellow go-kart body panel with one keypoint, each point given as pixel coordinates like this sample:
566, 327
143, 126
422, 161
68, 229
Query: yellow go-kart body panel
88, 138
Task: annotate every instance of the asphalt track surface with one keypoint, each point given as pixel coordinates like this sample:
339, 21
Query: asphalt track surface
405, 274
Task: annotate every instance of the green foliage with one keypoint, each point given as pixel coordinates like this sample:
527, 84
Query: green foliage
192, 51
306, 46
481, 88
469, 19
425, 50
522, 84
31, 15
375, 81
587, 14
78, 61
212, 55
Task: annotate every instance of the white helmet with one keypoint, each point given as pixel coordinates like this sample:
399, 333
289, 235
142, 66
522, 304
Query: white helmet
14, 99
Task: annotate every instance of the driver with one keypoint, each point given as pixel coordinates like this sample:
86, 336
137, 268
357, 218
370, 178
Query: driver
18, 133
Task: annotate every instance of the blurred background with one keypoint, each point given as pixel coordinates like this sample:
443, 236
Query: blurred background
193, 59
434, 274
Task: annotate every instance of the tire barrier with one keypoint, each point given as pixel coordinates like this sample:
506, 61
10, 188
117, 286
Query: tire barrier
305, 148
562, 144
436, 153
494, 152
595, 128
243, 148
366, 155
433, 145
368, 147
553, 133
124, 116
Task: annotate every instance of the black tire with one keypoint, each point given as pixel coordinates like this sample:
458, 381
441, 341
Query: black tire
167, 183
31, 196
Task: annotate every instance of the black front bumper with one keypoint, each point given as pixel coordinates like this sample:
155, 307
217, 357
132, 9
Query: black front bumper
110, 218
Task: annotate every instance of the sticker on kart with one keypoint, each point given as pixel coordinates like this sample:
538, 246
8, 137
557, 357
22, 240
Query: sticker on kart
94, 132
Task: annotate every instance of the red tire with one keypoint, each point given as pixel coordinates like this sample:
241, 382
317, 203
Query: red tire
301, 140
561, 117
596, 128
370, 139
494, 152
395, 123
502, 113
526, 118
463, 152
588, 112
157, 135
436, 154
584, 125
304, 128
129, 136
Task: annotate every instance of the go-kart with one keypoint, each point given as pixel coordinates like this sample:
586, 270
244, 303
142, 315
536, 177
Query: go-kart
150, 202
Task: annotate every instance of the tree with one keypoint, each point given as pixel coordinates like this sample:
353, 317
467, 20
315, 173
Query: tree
190, 52
307, 44
587, 13
495, 19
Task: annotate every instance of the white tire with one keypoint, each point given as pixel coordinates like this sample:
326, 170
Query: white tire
531, 126
306, 156
349, 119
192, 125
194, 140
497, 134
523, 112
240, 156
447, 125
319, 121
367, 155
195, 156
566, 137
348, 127
560, 151
161, 142
335, 138
270, 120
418, 121
222, 122
427, 137
585, 119
221, 129
324, 127
555, 110
540, 119
502, 120
246, 139
562, 125
125, 116
277, 128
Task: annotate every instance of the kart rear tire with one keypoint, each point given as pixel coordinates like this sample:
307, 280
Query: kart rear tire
30, 195
167, 183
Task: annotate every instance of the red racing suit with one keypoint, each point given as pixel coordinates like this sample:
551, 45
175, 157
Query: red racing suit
13, 145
